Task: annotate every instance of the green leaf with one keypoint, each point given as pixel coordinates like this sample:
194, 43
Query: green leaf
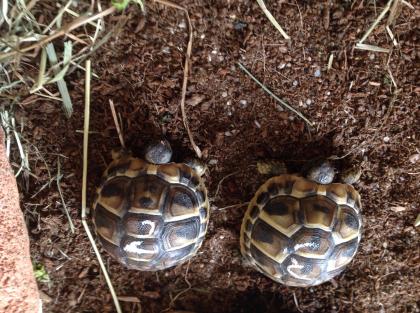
40, 273
120, 4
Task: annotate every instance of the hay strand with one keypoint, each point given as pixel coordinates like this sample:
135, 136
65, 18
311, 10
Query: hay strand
84, 183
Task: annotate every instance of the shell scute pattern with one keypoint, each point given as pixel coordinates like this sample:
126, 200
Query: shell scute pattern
301, 233
151, 217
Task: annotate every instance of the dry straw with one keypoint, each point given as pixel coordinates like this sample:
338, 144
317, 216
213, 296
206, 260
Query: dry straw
84, 184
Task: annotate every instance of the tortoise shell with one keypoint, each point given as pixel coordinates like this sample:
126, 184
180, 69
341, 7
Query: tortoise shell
150, 217
299, 232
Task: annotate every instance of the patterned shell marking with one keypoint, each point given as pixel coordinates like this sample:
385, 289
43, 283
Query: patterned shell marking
301, 233
150, 217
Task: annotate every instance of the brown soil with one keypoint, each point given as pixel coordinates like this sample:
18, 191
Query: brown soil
357, 112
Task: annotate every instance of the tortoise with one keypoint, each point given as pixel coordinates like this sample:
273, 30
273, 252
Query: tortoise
151, 214
302, 231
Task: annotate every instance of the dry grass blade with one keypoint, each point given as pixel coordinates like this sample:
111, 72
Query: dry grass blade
59, 33
394, 12
117, 125
376, 22
363, 46
391, 35
417, 222
84, 183
273, 19
243, 68
66, 211
186, 71
61, 84
330, 61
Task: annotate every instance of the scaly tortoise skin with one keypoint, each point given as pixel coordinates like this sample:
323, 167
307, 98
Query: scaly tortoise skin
150, 216
301, 233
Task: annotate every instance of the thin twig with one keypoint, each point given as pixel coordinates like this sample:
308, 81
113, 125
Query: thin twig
238, 205
84, 180
186, 71
117, 125
272, 19
274, 96
66, 211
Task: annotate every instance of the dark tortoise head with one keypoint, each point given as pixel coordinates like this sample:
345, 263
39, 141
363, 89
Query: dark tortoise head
322, 174
158, 152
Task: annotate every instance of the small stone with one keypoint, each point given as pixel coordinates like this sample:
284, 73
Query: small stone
202, 36
317, 72
386, 139
282, 66
182, 25
166, 50
308, 101
328, 93
243, 104
239, 25
414, 158
213, 162
295, 83
224, 94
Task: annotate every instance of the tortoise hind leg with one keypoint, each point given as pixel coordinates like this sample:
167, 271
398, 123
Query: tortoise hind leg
271, 167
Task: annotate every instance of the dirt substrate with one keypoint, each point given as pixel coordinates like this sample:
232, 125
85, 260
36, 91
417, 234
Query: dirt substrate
356, 110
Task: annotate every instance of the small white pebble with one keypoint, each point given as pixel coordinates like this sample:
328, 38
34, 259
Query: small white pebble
317, 73
295, 83
372, 56
308, 101
213, 162
214, 51
243, 103
224, 94
289, 65
386, 139
228, 103
328, 93
202, 36
282, 66
414, 158
166, 50
182, 25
